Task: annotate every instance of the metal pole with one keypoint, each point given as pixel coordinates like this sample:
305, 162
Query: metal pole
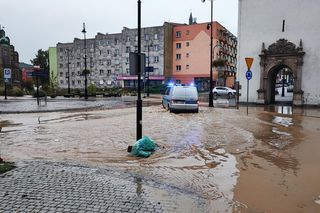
247, 96
211, 43
139, 101
5, 89
85, 63
148, 71
68, 72
38, 102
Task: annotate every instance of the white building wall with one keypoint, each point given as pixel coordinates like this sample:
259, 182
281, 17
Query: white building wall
261, 21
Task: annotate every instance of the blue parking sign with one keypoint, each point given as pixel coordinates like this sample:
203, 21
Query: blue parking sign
249, 75
6, 73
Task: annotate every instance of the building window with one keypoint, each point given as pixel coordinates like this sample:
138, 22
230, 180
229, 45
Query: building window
79, 73
100, 62
72, 82
61, 65
127, 70
107, 42
187, 55
79, 81
128, 38
72, 74
156, 36
178, 34
146, 37
108, 62
61, 81
187, 67
156, 47
109, 72
188, 44
108, 52
127, 49
117, 51
178, 68
178, 56
116, 42
101, 72
156, 59
178, 45
61, 74
78, 64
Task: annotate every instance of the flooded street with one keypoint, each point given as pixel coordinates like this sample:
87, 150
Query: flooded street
265, 162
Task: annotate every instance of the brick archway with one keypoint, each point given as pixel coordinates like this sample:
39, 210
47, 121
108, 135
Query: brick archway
280, 54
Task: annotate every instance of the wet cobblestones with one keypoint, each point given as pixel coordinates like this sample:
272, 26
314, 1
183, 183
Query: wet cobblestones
59, 187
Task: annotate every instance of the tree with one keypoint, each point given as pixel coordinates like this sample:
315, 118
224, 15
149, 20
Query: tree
42, 60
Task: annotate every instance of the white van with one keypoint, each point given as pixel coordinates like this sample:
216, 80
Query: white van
181, 98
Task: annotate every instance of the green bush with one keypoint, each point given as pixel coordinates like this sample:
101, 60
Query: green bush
15, 91
92, 89
41, 93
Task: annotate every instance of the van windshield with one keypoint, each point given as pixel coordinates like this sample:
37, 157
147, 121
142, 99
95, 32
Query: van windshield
185, 92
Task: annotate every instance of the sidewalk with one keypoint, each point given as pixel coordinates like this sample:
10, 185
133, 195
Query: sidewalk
29, 104
38, 186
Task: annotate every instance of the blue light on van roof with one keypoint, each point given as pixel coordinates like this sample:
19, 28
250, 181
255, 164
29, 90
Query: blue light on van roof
170, 84
192, 84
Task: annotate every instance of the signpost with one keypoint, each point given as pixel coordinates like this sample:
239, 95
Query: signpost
249, 62
6, 76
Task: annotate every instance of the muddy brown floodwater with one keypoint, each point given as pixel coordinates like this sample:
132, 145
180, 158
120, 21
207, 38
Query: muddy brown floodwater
264, 162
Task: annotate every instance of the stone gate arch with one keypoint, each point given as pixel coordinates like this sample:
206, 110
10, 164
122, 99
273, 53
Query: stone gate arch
280, 54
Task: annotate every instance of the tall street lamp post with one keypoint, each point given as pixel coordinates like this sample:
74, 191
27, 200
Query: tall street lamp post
68, 52
139, 101
85, 62
211, 44
149, 45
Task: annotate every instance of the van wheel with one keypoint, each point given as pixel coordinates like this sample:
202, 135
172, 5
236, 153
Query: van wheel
196, 111
163, 105
170, 109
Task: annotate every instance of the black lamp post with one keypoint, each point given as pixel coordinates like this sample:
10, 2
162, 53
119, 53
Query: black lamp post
211, 44
68, 51
85, 62
139, 101
149, 45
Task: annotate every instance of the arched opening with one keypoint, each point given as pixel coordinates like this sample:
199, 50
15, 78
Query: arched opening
280, 85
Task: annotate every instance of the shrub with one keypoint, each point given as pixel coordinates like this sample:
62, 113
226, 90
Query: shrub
92, 89
15, 91
41, 93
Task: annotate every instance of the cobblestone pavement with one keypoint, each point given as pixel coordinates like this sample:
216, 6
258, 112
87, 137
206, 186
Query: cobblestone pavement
41, 186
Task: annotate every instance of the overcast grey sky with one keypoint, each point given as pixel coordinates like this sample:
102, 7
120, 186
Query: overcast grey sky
39, 24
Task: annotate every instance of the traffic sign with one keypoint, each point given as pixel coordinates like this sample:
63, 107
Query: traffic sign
249, 75
6, 73
249, 62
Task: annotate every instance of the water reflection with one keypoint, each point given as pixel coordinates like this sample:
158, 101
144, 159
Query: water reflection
280, 109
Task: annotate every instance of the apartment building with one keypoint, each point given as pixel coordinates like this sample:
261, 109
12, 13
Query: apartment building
191, 55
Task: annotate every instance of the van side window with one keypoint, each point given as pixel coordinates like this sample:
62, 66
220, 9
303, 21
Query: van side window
167, 91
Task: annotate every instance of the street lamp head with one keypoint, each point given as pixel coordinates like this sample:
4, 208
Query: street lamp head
84, 28
203, 0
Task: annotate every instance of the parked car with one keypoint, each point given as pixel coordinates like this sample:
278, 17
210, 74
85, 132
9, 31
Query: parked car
224, 91
181, 98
